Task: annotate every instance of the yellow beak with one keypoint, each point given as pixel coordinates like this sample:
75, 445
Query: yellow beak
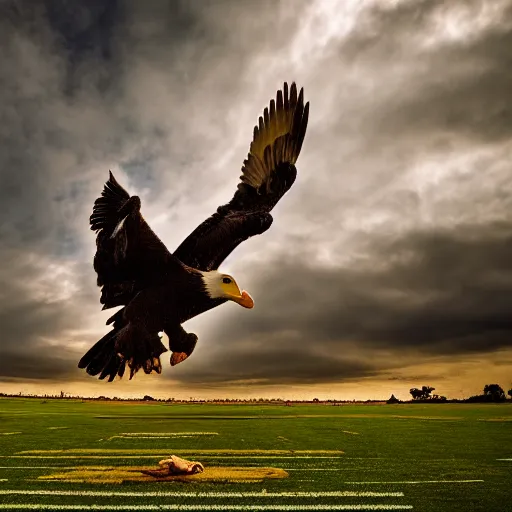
244, 300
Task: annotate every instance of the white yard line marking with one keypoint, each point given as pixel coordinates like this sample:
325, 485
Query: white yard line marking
510, 460
4, 480
146, 437
149, 437
129, 451
160, 435
221, 508
324, 469
37, 467
166, 454
162, 494
9, 433
421, 482
349, 432
136, 434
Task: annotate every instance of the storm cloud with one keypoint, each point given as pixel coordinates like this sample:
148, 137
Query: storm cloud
393, 247
427, 294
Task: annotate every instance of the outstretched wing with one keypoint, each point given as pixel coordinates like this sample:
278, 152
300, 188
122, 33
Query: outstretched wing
129, 255
267, 174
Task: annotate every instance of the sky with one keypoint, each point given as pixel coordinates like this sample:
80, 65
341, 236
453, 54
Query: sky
389, 262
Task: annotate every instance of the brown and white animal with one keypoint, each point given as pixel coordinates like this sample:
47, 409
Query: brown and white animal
160, 290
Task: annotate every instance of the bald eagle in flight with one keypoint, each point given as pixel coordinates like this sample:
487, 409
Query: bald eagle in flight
160, 290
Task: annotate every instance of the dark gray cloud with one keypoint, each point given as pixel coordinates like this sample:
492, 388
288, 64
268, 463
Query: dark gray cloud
461, 89
264, 363
409, 83
394, 244
427, 294
43, 310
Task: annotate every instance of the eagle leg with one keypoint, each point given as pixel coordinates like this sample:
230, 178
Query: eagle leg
181, 342
140, 348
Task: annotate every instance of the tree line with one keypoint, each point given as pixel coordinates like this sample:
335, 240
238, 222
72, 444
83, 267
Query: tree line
491, 393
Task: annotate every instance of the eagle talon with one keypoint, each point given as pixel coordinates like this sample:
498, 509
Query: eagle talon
178, 357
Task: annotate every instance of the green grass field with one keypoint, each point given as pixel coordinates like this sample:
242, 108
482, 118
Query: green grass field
439, 457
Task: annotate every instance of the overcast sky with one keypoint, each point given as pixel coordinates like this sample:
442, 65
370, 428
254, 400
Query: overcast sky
389, 262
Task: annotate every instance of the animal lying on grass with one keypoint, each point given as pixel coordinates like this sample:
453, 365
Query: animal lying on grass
176, 466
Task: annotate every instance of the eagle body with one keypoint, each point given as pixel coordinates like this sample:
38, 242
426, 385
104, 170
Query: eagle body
159, 290
177, 298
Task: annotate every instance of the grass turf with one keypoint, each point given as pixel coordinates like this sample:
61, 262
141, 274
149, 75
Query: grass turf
417, 450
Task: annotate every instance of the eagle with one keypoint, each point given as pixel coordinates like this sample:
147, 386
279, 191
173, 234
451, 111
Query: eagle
159, 290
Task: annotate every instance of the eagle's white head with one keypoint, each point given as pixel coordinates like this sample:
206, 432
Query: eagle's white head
223, 286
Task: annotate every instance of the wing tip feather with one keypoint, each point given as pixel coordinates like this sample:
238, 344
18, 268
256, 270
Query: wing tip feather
286, 118
106, 206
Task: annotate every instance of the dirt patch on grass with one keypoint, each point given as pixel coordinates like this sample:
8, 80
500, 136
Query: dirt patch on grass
118, 475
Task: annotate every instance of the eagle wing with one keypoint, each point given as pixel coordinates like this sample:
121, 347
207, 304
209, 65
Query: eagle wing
129, 255
267, 174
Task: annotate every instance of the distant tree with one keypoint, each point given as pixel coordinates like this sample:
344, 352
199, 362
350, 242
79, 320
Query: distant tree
494, 392
509, 392
148, 398
426, 391
421, 394
416, 393
393, 400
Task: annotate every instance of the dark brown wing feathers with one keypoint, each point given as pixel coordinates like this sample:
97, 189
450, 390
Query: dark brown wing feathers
277, 138
135, 256
104, 212
130, 257
267, 173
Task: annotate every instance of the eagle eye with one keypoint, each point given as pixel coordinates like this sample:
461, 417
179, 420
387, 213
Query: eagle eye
226, 280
